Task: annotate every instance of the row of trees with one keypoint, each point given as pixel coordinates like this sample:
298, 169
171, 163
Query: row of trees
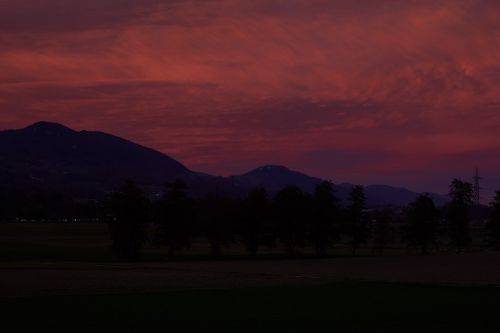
292, 218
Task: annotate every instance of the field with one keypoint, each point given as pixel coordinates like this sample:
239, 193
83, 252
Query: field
82, 242
62, 275
339, 307
90, 243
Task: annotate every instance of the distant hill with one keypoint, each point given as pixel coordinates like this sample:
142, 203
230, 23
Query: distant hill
50, 156
382, 195
275, 177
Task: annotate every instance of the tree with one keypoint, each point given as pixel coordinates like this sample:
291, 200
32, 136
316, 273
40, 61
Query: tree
218, 215
461, 194
423, 225
175, 218
292, 209
324, 228
3, 211
254, 228
383, 232
493, 226
358, 229
127, 217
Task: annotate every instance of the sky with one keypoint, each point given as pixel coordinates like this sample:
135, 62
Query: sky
371, 91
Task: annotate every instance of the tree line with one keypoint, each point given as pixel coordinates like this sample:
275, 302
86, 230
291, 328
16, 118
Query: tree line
292, 218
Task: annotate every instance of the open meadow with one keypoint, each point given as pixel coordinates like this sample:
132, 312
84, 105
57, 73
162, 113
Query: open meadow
63, 273
343, 307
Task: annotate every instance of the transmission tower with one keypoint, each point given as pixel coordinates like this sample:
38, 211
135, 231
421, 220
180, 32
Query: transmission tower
477, 188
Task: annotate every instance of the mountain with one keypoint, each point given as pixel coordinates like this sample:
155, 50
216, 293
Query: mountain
382, 195
274, 178
51, 156
85, 164
379, 195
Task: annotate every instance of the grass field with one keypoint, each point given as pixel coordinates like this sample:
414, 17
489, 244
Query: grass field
62, 276
90, 243
54, 242
338, 307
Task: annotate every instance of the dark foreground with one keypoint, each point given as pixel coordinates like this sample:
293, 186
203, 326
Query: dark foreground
338, 307
59, 278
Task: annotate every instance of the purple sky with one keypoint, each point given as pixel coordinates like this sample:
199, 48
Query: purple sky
397, 92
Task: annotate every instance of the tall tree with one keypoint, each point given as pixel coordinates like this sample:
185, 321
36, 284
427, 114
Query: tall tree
255, 227
358, 228
324, 226
3, 203
383, 232
422, 229
175, 217
127, 217
493, 226
218, 215
461, 194
292, 209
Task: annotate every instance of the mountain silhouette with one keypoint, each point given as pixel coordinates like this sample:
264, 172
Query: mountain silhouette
52, 156
383, 195
87, 164
274, 178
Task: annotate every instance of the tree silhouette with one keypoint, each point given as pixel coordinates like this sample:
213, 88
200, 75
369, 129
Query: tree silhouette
358, 228
255, 227
127, 217
422, 229
493, 226
218, 215
461, 194
175, 218
324, 226
292, 209
383, 232
3, 212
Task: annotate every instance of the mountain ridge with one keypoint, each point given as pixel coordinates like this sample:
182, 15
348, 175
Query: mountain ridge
49, 155
86, 161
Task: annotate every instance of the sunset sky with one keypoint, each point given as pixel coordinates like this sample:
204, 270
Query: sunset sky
395, 92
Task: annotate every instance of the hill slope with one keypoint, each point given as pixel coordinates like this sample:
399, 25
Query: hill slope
51, 156
275, 177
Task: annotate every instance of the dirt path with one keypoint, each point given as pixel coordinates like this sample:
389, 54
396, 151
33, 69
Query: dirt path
25, 279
